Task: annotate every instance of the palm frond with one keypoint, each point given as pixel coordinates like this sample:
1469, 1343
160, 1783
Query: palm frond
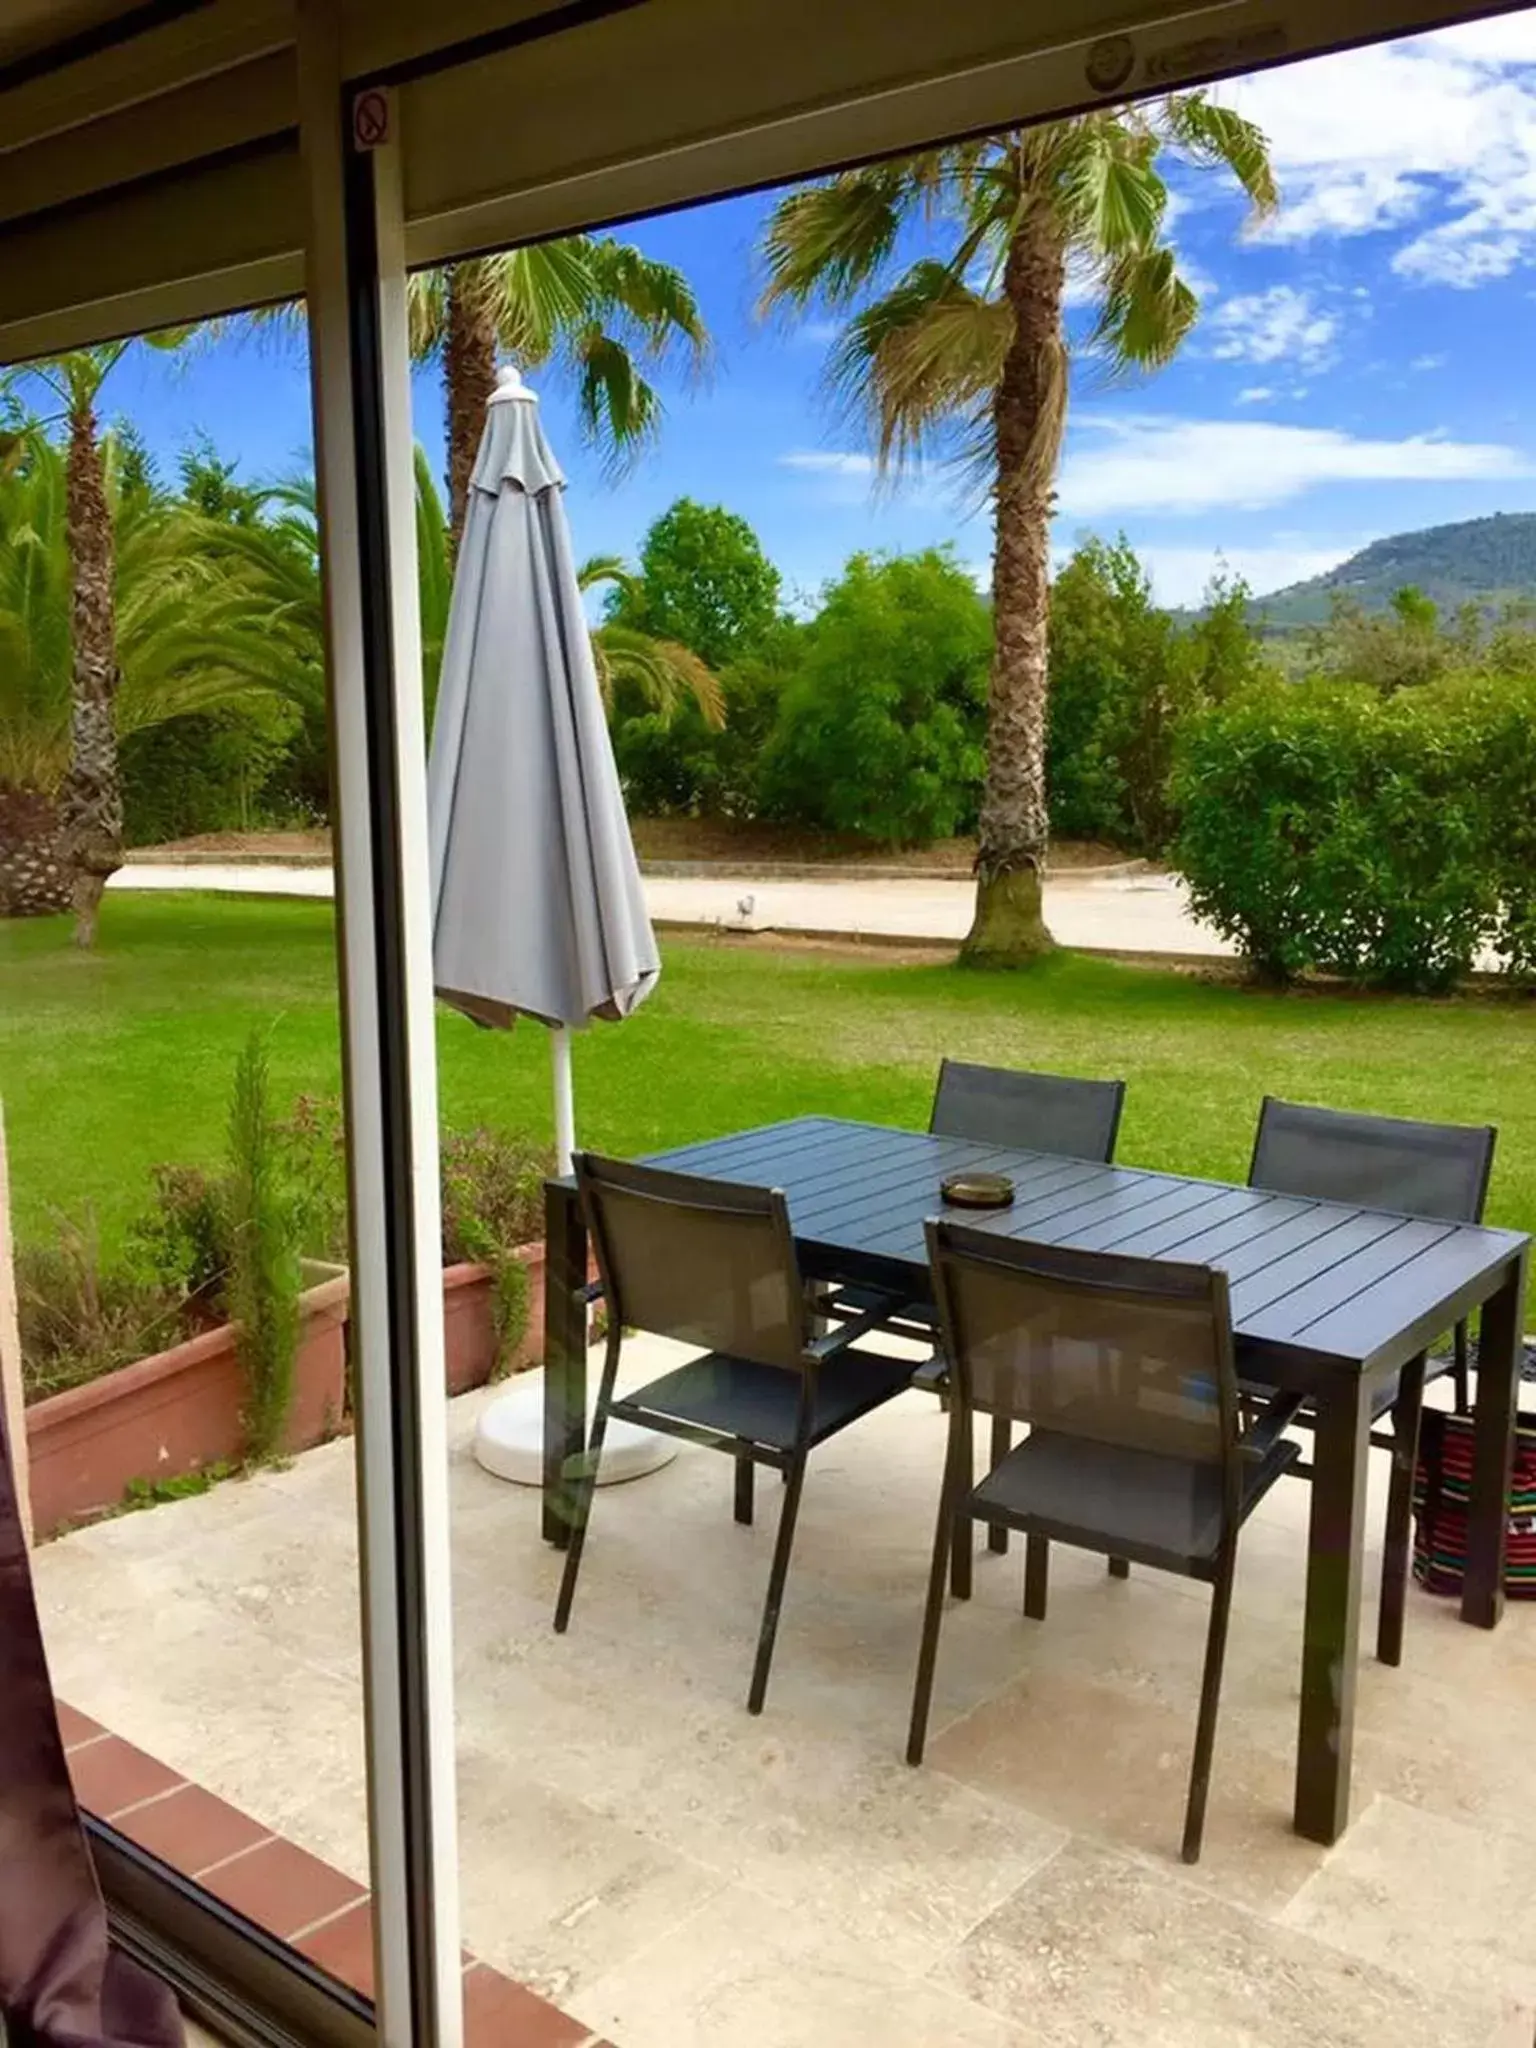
538, 294
930, 349
1146, 311
619, 408
829, 241
1111, 197
662, 673
598, 569
656, 298
1216, 136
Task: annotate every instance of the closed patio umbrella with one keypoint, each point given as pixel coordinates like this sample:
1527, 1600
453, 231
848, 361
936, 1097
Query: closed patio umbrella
538, 908
537, 904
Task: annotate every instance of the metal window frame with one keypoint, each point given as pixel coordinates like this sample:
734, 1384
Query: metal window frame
243, 1982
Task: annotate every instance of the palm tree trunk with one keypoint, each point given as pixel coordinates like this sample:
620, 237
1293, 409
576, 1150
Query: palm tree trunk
90, 797
1029, 412
469, 372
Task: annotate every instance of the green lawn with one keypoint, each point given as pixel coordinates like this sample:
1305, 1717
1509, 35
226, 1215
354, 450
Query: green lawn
114, 1060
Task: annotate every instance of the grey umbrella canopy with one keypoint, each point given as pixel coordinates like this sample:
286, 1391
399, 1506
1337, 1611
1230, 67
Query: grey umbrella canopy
537, 903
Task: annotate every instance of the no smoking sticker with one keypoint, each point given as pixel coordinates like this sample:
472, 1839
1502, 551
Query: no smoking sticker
370, 119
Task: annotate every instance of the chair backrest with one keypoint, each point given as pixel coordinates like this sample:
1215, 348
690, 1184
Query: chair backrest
1130, 1352
1035, 1112
1377, 1162
706, 1261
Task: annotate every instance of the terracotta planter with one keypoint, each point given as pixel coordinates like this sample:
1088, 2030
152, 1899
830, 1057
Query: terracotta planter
177, 1413
469, 1322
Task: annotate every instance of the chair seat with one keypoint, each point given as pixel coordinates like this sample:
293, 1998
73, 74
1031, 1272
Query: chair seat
1113, 1498
736, 1397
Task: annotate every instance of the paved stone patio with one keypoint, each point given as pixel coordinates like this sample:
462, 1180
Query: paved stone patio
678, 1875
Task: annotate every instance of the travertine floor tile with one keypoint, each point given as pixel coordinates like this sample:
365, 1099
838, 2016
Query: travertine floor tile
1104, 1948
1447, 1905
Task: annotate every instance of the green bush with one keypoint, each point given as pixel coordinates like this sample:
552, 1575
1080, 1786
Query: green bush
881, 731
1122, 677
218, 771
682, 767
493, 1201
1382, 838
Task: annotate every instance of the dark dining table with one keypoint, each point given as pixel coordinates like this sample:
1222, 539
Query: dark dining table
1326, 1298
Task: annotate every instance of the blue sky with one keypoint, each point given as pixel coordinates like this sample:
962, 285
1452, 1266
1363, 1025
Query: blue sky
1361, 366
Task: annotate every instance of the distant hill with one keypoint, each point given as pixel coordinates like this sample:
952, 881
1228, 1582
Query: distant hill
1482, 561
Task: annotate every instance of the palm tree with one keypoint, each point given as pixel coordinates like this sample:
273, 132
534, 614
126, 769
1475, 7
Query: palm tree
90, 797
276, 562
596, 306
188, 636
965, 355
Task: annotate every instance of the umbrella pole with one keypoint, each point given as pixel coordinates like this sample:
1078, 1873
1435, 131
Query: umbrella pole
565, 1109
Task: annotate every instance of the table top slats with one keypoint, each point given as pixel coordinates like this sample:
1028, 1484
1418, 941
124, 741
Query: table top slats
1284, 1316
1072, 1185
1343, 1284
1232, 1217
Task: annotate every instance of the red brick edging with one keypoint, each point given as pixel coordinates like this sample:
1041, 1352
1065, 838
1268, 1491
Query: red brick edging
281, 1887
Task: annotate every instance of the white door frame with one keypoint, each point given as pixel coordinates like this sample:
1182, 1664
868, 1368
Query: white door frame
355, 282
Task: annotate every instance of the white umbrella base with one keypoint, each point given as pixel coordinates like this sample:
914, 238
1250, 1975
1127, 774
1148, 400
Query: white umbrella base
509, 1442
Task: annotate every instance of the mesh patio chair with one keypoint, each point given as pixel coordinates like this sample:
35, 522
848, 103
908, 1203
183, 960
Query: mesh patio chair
1414, 1169
713, 1264
1057, 1113
1034, 1112
1123, 1369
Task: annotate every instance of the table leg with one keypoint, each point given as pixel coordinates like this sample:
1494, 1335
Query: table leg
1330, 1647
565, 1355
1498, 1380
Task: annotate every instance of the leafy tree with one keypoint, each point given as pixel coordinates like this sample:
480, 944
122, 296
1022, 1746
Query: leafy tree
704, 581
683, 766
1122, 678
1392, 650
964, 354
880, 732
596, 307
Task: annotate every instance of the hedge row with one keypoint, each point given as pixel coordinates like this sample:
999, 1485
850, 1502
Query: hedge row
1390, 840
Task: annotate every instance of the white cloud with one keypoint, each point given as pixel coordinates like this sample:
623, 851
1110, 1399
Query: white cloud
1280, 325
1149, 463
1181, 576
817, 333
1437, 133
1437, 362
1257, 394
828, 462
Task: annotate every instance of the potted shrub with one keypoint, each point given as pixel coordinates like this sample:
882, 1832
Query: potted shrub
493, 1235
203, 1351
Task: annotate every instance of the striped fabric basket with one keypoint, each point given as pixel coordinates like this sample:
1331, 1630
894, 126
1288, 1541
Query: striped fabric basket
1441, 1488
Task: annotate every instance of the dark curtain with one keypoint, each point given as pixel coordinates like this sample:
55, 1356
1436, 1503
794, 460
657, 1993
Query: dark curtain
61, 1986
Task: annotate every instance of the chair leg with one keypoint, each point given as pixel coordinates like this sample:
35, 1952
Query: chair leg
1119, 1567
744, 1472
586, 1487
1210, 1700
1037, 1572
950, 1527
1002, 1444
962, 1536
1397, 1545
1461, 1373
779, 1571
